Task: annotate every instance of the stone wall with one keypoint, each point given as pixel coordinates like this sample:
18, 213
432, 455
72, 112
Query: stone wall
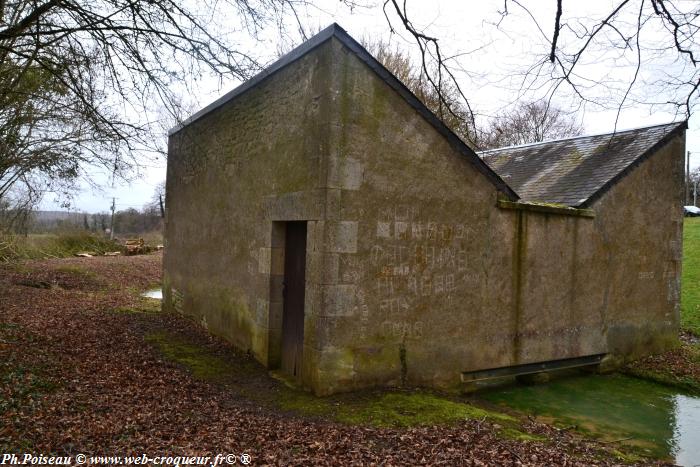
639, 231
407, 294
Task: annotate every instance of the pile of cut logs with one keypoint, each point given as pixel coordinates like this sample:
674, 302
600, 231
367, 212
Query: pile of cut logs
135, 247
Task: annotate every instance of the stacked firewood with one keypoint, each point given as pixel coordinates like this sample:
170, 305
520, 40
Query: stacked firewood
135, 247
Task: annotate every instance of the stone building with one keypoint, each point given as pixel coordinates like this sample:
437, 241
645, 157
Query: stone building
322, 218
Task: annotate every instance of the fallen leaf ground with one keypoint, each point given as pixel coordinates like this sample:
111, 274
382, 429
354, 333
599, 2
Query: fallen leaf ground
679, 367
88, 366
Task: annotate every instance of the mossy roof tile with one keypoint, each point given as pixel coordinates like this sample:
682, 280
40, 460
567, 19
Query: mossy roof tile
576, 171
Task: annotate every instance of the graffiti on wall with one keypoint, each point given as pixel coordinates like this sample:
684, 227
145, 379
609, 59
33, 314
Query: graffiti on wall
417, 263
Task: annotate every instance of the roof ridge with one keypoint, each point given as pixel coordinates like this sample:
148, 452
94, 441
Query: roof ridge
594, 135
411, 99
335, 30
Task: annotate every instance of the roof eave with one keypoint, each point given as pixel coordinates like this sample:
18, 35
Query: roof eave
285, 60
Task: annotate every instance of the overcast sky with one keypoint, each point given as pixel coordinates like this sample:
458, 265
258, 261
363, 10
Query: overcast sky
489, 63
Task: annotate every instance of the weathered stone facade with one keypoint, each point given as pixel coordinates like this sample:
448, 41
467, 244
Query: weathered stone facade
415, 271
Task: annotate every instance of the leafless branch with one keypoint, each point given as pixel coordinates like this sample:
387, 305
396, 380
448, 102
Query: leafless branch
557, 25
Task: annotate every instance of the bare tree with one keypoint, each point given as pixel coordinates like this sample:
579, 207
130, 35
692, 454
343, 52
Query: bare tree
79, 79
659, 37
693, 185
529, 122
618, 54
158, 199
450, 102
15, 211
418, 82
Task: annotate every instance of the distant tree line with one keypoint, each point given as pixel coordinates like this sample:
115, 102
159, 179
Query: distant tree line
127, 222
133, 221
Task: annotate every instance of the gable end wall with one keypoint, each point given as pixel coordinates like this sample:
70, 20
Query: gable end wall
233, 173
639, 226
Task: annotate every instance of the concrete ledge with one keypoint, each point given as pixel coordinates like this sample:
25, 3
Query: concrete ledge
531, 368
546, 208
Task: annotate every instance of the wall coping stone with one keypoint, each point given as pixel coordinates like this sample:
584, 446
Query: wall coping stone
546, 208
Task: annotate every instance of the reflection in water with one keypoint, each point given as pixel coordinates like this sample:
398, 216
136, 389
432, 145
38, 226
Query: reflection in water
687, 430
155, 293
656, 419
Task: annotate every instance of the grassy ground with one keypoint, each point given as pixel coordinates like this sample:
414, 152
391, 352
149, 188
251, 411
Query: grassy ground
403, 408
66, 244
690, 292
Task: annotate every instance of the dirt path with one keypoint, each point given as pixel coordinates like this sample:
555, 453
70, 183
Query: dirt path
81, 372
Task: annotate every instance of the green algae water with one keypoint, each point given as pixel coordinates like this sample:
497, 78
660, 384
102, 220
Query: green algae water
653, 419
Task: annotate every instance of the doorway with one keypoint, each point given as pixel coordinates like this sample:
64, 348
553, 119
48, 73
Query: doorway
293, 296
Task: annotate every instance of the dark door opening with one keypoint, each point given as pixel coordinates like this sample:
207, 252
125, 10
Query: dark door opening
293, 292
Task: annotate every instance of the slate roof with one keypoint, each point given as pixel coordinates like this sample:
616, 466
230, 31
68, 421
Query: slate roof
335, 31
576, 171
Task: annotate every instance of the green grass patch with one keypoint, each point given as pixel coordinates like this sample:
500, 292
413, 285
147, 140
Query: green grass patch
199, 361
145, 306
513, 433
690, 291
628, 457
387, 408
40, 246
404, 409
376, 408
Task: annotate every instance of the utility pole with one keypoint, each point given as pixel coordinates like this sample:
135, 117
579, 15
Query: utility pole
162, 209
695, 193
687, 178
111, 222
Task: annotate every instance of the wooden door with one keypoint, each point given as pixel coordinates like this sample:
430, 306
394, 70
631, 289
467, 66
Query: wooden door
294, 285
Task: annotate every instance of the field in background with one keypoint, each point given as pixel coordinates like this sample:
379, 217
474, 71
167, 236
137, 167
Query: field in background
690, 287
64, 244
